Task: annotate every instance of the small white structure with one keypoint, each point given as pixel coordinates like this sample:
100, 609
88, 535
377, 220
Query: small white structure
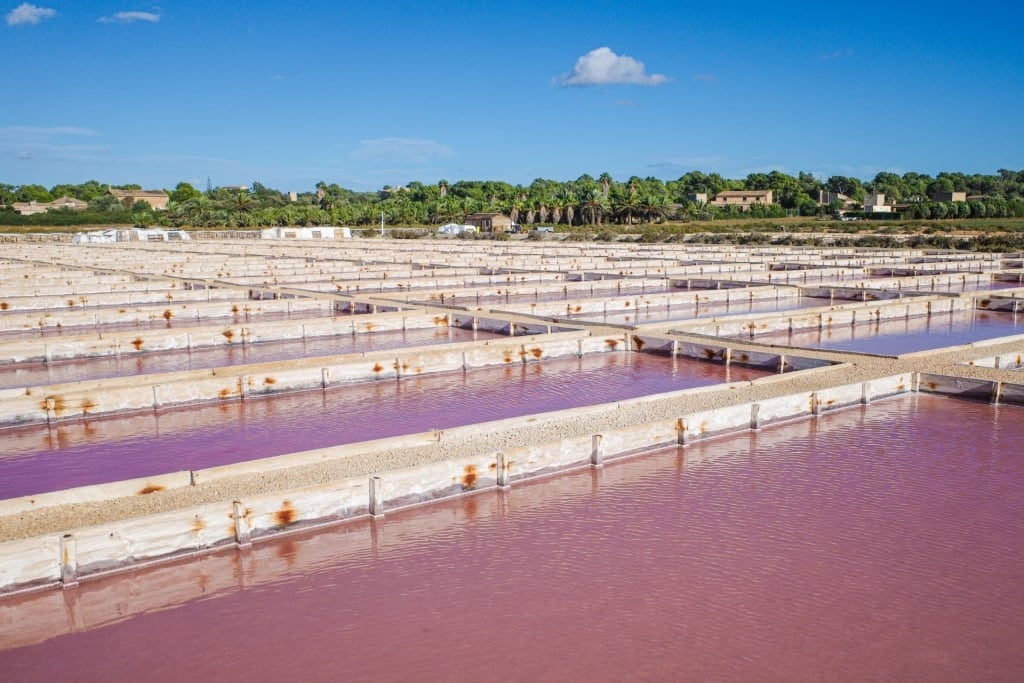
875, 203
321, 232
456, 229
130, 235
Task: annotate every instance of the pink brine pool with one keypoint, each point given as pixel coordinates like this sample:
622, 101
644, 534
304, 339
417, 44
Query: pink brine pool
38, 459
881, 543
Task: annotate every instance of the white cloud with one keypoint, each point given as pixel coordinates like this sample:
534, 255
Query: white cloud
26, 13
400, 149
604, 67
34, 142
130, 18
837, 54
40, 133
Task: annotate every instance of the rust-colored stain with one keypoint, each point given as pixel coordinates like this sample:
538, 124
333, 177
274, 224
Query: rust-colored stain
680, 425
370, 327
627, 304
441, 320
224, 393
419, 371
508, 358
229, 335
234, 309
578, 309
744, 357
493, 466
901, 386
871, 296
469, 478
611, 343
709, 353
377, 367
537, 352
4, 305
270, 380
198, 525
138, 342
638, 343
829, 321
150, 488
122, 310
71, 302
984, 303
168, 314
87, 405
830, 401
703, 427
286, 515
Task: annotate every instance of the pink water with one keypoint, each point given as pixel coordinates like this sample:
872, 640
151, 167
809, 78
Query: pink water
894, 337
38, 374
160, 324
651, 314
488, 296
37, 459
873, 544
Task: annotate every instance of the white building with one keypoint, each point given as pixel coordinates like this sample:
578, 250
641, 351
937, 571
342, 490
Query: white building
130, 235
321, 232
875, 203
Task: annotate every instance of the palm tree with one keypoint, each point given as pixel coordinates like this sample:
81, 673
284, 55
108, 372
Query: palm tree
606, 183
593, 208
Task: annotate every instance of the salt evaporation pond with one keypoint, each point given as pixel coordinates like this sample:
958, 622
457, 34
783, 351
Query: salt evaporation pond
38, 374
646, 315
38, 459
879, 543
158, 323
894, 337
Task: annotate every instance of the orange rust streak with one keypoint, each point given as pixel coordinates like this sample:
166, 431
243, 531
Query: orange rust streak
286, 515
469, 477
150, 488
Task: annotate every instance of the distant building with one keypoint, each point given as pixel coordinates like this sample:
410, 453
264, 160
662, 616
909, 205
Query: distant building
293, 196
130, 235
157, 199
29, 208
826, 198
697, 197
321, 232
949, 197
490, 222
875, 203
743, 199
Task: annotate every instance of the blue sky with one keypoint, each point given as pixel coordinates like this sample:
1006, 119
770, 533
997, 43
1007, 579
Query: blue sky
367, 94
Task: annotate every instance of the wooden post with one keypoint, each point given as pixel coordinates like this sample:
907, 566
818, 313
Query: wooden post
376, 497
68, 561
242, 529
755, 416
503, 478
597, 450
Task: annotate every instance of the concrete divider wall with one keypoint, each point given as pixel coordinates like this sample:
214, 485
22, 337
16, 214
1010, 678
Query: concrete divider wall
148, 392
228, 309
823, 318
110, 546
97, 492
1006, 361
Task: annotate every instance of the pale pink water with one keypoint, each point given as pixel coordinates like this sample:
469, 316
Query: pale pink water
37, 459
875, 544
651, 314
37, 374
894, 337
160, 324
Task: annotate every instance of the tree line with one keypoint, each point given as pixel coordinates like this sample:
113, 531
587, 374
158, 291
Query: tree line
586, 201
